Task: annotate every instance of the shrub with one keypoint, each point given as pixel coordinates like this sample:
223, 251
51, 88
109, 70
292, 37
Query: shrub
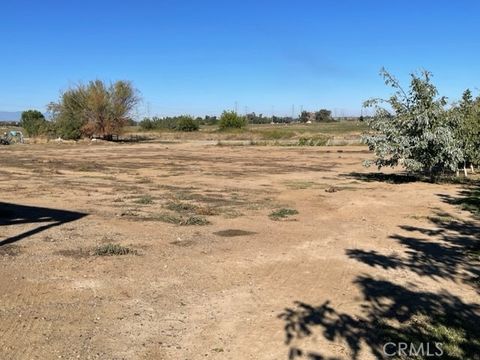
144, 200
146, 124
230, 120
187, 123
282, 213
113, 249
195, 220
33, 122
315, 141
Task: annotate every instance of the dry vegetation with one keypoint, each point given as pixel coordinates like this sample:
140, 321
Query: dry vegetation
348, 131
205, 269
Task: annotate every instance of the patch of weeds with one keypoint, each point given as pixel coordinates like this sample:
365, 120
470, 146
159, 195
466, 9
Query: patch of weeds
417, 217
87, 167
231, 213
205, 210
184, 195
314, 141
113, 250
195, 220
180, 206
129, 213
471, 202
180, 220
144, 180
282, 213
144, 200
167, 218
84, 167
118, 200
456, 342
442, 218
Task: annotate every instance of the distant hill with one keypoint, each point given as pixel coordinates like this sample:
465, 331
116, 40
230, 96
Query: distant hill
10, 115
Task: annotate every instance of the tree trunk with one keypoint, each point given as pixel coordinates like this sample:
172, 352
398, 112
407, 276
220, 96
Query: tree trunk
472, 168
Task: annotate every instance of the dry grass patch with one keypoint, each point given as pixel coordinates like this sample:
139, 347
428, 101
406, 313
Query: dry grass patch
282, 213
113, 250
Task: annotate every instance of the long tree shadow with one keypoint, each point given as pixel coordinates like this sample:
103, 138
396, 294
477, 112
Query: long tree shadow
391, 314
469, 200
395, 178
449, 250
14, 214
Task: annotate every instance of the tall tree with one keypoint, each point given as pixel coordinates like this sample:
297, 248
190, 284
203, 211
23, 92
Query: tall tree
94, 109
469, 128
323, 115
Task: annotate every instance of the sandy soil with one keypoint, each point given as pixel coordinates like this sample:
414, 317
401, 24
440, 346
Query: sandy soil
222, 290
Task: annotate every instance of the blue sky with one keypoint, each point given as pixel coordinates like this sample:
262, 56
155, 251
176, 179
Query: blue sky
201, 57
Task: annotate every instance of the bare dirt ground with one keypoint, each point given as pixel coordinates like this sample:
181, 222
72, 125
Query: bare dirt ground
243, 286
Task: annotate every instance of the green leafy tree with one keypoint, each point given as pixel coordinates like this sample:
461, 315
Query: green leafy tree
230, 120
469, 128
323, 115
187, 123
146, 124
33, 122
414, 129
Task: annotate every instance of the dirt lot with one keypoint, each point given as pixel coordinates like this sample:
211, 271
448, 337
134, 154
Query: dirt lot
214, 276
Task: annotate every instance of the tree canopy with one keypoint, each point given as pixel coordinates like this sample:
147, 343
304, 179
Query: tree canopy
414, 128
94, 109
33, 122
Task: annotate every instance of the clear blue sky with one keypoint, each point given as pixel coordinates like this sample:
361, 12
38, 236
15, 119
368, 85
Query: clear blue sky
200, 57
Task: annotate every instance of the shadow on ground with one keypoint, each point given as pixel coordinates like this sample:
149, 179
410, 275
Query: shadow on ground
401, 178
447, 250
14, 214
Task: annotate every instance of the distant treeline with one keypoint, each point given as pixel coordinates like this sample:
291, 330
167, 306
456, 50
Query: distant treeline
99, 109
9, 123
171, 122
